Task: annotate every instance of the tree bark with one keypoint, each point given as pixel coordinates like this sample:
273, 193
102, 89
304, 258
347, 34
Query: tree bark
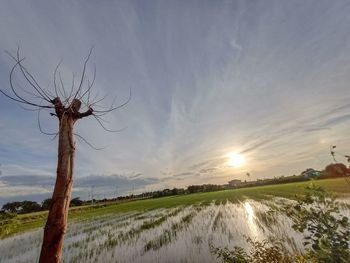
56, 224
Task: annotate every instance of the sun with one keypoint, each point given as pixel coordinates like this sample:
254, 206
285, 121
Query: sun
235, 159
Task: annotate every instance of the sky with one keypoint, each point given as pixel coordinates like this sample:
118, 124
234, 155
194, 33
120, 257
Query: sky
266, 79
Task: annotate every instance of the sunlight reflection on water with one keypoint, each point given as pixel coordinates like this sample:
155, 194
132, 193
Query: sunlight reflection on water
249, 211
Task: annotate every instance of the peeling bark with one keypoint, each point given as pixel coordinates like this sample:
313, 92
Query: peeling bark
57, 220
56, 224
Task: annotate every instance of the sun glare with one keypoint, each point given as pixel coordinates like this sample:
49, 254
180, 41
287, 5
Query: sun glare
235, 159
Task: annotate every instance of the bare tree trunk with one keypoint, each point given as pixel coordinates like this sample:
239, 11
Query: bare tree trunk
68, 112
56, 224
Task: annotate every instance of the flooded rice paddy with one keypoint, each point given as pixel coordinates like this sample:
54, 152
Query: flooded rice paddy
181, 234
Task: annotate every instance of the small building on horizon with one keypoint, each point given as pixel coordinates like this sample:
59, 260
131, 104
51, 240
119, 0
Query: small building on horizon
311, 173
235, 183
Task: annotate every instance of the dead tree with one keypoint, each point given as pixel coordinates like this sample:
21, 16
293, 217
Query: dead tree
68, 106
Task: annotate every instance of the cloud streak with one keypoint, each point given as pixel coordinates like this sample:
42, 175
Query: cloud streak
269, 80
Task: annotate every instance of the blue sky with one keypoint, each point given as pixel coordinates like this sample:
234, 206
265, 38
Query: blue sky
268, 79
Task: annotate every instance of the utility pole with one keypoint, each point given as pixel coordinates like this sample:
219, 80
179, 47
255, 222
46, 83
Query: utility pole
92, 195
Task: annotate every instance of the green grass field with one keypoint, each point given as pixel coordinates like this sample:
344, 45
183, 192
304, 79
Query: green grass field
26, 222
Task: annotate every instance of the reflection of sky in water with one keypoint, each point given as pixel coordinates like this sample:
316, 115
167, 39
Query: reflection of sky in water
226, 225
249, 212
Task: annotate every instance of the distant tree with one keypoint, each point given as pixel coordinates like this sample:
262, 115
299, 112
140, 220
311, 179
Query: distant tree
29, 206
68, 105
76, 202
11, 207
177, 191
335, 170
45, 205
21, 207
344, 173
194, 188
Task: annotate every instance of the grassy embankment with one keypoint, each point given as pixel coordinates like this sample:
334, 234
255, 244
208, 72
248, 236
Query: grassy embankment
26, 222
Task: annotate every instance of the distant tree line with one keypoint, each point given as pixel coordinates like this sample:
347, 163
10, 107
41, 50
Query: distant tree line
153, 194
23, 207
204, 188
167, 192
331, 171
335, 170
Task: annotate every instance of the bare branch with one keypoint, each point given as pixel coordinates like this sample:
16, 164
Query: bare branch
106, 129
44, 94
16, 96
71, 90
31, 79
89, 85
98, 101
83, 74
112, 108
54, 137
86, 141
64, 95
34, 96
80, 115
54, 77
40, 128
34, 109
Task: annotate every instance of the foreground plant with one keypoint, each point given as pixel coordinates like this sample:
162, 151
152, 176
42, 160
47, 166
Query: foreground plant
6, 220
260, 252
328, 231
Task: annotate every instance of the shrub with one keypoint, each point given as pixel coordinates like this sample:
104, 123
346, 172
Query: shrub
328, 231
260, 252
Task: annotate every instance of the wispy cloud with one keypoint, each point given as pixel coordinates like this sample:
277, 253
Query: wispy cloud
267, 79
208, 170
183, 174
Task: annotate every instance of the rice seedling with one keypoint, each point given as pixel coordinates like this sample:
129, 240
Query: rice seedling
179, 234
